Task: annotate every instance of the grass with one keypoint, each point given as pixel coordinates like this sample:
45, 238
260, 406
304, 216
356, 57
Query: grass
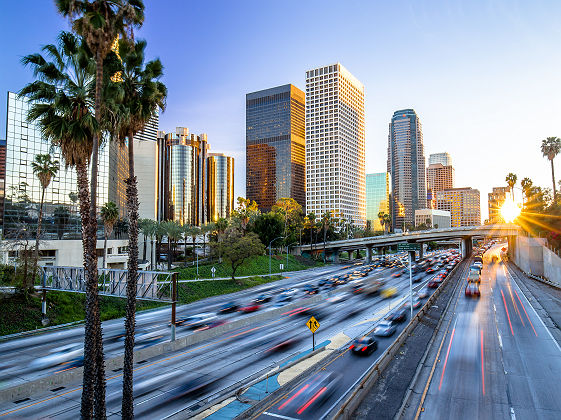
253, 266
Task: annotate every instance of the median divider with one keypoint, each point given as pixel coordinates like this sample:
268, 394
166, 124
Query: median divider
365, 384
115, 364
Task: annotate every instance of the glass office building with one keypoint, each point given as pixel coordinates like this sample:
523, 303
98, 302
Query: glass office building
377, 198
220, 200
463, 205
275, 146
22, 196
406, 166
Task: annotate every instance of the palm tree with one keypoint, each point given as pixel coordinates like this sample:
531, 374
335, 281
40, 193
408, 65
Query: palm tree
173, 231
526, 184
44, 169
99, 22
511, 182
109, 215
193, 232
551, 147
205, 230
387, 222
326, 222
381, 215
147, 227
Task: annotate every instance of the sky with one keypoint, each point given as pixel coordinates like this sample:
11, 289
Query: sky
483, 75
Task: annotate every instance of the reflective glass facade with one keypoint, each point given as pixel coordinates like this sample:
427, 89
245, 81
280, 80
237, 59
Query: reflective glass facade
220, 201
275, 146
377, 198
406, 165
22, 188
2, 179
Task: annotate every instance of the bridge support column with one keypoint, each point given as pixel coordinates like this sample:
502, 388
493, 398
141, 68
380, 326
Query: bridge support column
467, 247
368, 255
421, 251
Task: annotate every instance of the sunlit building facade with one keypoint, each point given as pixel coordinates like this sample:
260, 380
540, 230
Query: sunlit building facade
145, 168
432, 218
440, 177
443, 158
378, 187
496, 200
61, 218
406, 165
463, 205
335, 142
275, 146
220, 178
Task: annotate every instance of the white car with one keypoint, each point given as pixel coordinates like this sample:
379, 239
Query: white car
196, 321
59, 355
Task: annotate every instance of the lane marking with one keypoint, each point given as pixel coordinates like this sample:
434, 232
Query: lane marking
512, 415
446, 360
500, 340
294, 396
482, 364
508, 316
521, 304
279, 416
514, 303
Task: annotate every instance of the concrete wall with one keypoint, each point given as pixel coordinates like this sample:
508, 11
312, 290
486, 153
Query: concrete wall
551, 266
528, 254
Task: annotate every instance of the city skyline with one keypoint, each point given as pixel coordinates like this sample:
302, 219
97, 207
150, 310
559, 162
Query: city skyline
477, 76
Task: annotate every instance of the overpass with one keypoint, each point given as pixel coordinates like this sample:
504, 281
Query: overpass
464, 235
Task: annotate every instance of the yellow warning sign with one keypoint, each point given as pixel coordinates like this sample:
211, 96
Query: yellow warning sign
313, 324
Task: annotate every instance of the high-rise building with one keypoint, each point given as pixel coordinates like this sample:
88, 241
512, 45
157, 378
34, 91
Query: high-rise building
463, 205
2, 179
406, 165
335, 136
145, 168
440, 177
275, 146
220, 201
377, 198
496, 200
443, 158
23, 189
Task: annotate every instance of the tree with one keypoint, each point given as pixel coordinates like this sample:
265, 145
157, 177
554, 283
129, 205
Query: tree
526, 184
268, 226
550, 148
193, 232
173, 231
309, 223
109, 215
511, 182
244, 214
328, 220
99, 22
236, 248
45, 169
291, 212
381, 215
61, 216
148, 229
205, 230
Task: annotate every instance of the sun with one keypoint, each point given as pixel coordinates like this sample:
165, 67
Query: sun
510, 211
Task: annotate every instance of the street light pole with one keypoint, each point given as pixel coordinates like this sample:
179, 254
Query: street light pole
271, 243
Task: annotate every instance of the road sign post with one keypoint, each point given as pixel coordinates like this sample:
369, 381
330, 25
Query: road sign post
213, 271
411, 248
281, 267
313, 325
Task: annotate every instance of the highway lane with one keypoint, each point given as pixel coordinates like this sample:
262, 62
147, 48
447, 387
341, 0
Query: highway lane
498, 360
227, 360
18, 355
346, 369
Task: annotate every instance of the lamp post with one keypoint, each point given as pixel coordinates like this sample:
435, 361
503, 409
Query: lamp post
271, 243
287, 247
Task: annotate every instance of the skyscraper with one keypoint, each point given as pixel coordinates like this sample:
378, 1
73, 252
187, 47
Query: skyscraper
145, 164
377, 198
442, 158
335, 131
220, 200
2, 179
275, 146
496, 200
440, 177
463, 205
406, 165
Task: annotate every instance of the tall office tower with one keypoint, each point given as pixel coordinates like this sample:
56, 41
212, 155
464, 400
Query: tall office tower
406, 165
378, 188
496, 200
275, 146
145, 168
118, 173
443, 158
23, 190
187, 176
2, 179
220, 178
162, 180
335, 131
463, 205
440, 177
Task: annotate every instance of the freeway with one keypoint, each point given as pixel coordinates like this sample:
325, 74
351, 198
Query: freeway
194, 376
496, 359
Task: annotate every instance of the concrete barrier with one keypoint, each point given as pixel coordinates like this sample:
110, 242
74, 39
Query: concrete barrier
29, 388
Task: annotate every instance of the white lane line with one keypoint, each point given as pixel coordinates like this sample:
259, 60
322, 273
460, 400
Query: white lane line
279, 416
537, 316
500, 340
494, 307
512, 415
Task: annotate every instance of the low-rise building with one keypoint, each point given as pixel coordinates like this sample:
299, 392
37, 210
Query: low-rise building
437, 219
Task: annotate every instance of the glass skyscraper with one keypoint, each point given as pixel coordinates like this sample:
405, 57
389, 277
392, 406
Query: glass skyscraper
406, 166
220, 201
61, 218
275, 146
377, 198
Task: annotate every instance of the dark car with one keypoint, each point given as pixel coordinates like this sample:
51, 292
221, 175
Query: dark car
397, 316
323, 282
430, 270
433, 284
310, 394
472, 289
423, 293
311, 290
417, 302
384, 329
262, 299
418, 277
228, 307
364, 346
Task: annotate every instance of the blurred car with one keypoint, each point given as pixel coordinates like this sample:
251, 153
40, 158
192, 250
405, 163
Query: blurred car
423, 293
474, 276
433, 284
418, 277
364, 346
263, 299
384, 329
397, 316
310, 395
431, 270
228, 307
146, 338
64, 354
250, 307
472, 289
417, 302
388, 292
311, 290
196, 321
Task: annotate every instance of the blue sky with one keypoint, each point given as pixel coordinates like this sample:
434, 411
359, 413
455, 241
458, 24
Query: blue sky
484, 76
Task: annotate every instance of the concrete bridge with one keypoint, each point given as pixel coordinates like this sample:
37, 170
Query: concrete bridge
464, 236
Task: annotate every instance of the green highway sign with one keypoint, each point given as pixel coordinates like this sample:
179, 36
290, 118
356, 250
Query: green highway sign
406, 246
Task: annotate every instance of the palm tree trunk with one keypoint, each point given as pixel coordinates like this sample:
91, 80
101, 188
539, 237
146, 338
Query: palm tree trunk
105, 250
324, 239
553, 179
36, 257
144, 252
127, 410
